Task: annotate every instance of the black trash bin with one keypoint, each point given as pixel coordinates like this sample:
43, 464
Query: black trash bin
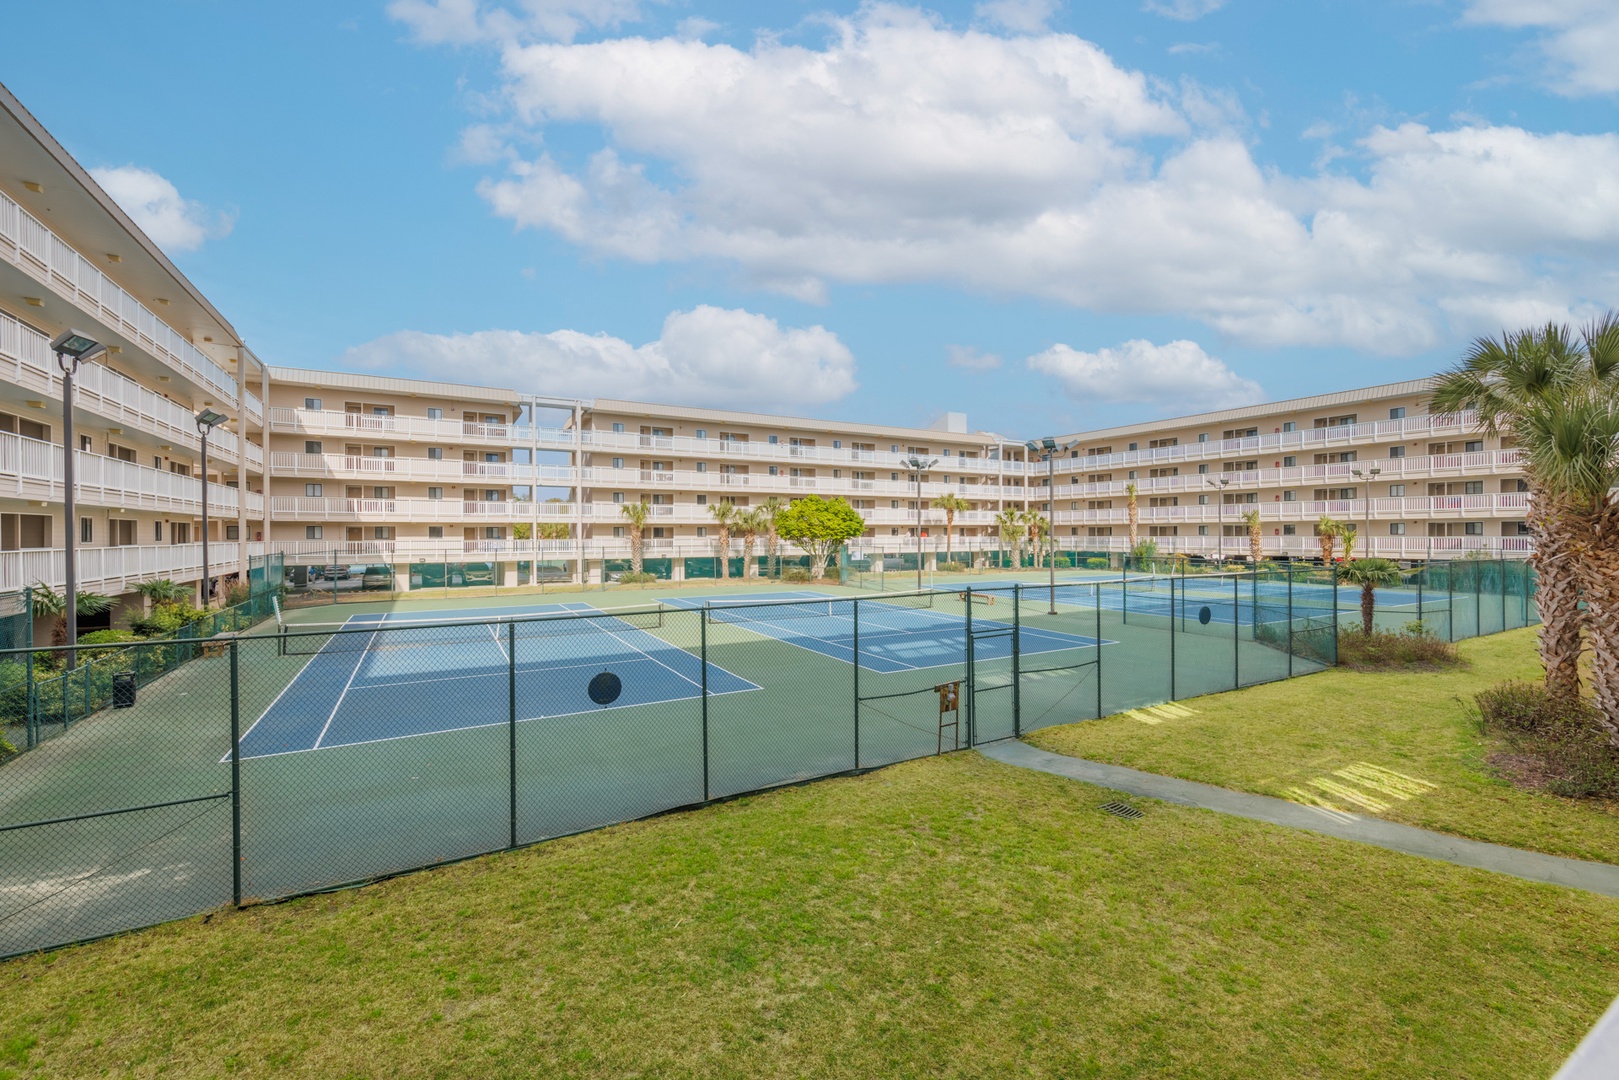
123, 690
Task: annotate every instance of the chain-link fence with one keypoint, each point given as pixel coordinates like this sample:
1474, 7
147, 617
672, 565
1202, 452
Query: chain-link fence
290, 758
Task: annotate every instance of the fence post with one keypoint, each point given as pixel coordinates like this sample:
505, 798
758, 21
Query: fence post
1450, 600
1422, 572
31, 721
235, 776
1290, 620
1172, 632
855, 647
972, 703
1478, 599
1335, 614
1236, 632
1124, 592
1501, 581
1017, 664
511, 727
1098, 646
703, 640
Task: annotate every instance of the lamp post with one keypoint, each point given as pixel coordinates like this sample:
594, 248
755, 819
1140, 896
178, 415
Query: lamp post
207, 420
1367, 478
70, 348
1049, 449
1224, 482
918, 467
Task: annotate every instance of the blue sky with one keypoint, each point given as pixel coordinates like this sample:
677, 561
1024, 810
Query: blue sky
1052, 216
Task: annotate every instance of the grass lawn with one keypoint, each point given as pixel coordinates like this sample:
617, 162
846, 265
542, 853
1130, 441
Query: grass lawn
1335, 737
951, 917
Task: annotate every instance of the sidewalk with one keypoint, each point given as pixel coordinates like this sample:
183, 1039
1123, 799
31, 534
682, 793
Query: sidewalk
1551, 869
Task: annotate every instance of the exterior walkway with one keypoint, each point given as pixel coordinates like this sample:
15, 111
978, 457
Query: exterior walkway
1551, 869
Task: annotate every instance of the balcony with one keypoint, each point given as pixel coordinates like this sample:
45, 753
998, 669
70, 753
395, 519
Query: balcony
30, 469
49, 259
114, 570
26, 361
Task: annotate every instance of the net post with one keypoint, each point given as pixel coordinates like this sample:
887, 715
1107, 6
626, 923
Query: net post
1097, 595
511, 728
235, 776
1501, 583
856, 649
1017, 662
1335, 614
1421, 573
1450, 601
1124, 590
1478, 599
972, 697
703, 642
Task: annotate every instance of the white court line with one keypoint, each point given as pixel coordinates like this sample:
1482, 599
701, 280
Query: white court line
290, 684
357, 665
521, 670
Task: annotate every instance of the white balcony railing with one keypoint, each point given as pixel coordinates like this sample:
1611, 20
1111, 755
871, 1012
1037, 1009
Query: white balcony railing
114, 570
25, 241
30, 469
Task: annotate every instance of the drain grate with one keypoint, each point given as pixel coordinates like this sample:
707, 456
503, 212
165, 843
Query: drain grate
1123, 810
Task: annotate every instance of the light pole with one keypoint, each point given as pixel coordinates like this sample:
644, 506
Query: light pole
1224, 482
1366, 478
70, 348
207, 420
1049, 449
918, 467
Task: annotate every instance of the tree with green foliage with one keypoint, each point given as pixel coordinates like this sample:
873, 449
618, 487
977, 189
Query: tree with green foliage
769, 511
1009, 523
50, 604
1256, 535
724, 515
820, 526
1038, 530
163, 591
1370, 575
749, 523
636, 514
952, 505
1133, 506
1327, 531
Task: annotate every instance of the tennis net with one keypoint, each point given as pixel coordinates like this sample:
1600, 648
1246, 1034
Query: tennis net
359, 635
771, 611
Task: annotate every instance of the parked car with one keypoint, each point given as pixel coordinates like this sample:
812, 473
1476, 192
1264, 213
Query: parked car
335, 573
377, 577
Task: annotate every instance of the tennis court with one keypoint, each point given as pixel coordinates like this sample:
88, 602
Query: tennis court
377, 677
1224, 600
913, 632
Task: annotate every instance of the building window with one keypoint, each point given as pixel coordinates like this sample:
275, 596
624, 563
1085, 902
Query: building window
1132, 446
312, 404
1473, 528
618, 463
1289, 462
1290, 530
312, 446
314, 491
1203, 468
314, 532
702, 500
435, 532
435, 493
702, 530
233, 532
435, 453
618, 532
383, 532
1290, 496
702, 466
893, 448
1202, 500
157, 531
1396, 451
84, 443
774, 439
1203, 437
86, 530
435, 414
1202, 530
774, 471
1132, 474
837, 444
618, 496
1398, 414
1474, 447
492, 532
1290, 426
618, 429
1473, 487
1396, 528
1396, 491
893, 504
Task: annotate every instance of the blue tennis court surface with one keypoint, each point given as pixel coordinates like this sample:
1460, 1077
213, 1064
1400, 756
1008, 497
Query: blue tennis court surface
1192, 595
367, 684
894, 636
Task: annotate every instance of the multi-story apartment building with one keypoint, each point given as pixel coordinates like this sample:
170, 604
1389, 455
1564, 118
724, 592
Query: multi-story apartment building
71, 258
333, 466
1411, 483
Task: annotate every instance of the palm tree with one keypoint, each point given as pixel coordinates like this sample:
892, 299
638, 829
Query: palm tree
1038, 530
1568, 443
50, 604
1346, 533
749, 524
1370, 575
1327, 531
1009, 522
951, 505
1499, 379
636, 513
163, 591
1250, 518
768, 511
724, 515
1135, 514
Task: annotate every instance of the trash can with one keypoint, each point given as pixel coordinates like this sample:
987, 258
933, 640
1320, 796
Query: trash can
123, 690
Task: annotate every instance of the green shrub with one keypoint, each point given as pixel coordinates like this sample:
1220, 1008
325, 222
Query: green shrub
1097, 564
795, 573
165, 619
1062, 562
239, 593
952, 567
1382, 650
642, 578
1562, 736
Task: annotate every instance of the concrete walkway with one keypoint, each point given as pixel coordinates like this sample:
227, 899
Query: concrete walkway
1551, 869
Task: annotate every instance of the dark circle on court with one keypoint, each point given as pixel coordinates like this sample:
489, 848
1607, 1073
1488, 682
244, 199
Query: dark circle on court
605, 688
1203, 616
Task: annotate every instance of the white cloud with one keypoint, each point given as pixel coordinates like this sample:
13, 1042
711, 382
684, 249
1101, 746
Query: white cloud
1579, 39
968, 358
1185, 48
1184, 10
706, 356
154, 204
1018, 16
1179, 373
1034, 165
466, 22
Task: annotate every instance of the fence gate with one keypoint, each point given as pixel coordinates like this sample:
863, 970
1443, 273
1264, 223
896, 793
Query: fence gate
992, 638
